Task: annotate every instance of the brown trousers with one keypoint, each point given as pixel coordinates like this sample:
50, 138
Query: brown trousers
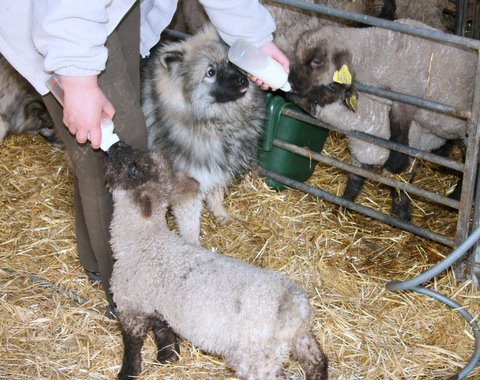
120, 82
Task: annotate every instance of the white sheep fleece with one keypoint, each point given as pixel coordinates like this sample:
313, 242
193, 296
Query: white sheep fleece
214, 301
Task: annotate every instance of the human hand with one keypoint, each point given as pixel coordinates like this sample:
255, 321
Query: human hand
273, 51
84, 108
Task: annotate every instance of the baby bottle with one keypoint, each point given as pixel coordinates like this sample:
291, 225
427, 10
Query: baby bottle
255, 62
108, 136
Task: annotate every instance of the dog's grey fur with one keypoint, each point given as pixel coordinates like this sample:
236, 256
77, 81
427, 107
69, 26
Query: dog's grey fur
206, 118
21, 108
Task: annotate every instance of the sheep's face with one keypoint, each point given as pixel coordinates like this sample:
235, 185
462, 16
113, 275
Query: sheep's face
147, 177
313, 70
315, 63
310, 68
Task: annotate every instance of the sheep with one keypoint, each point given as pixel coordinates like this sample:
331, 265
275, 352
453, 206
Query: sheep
21, 108
253, 317
385, 59
430, 12
292, 22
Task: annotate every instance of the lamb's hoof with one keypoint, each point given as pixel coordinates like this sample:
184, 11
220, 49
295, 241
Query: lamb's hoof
94, 277
126, 373
111, 312
168, 354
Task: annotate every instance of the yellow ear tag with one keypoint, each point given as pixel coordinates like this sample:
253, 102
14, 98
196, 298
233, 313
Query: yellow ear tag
342, 76
352, 103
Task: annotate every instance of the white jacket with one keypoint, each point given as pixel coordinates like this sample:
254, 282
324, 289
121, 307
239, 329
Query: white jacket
39, 37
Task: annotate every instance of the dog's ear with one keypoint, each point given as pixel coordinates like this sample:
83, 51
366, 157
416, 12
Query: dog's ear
170, 59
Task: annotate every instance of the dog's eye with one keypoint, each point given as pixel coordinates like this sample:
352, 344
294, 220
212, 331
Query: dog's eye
211, 72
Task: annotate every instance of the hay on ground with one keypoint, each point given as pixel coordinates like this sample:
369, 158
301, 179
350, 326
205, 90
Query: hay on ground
51, 318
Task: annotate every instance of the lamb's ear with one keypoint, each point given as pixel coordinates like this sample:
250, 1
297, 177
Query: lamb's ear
171, 58
342, 60
145, 200
185, 188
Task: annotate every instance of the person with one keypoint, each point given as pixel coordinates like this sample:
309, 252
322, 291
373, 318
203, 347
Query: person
95, 47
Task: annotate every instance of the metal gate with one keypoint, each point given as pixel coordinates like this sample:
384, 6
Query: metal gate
467, 211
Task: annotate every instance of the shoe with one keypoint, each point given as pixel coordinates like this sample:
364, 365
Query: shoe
94, 277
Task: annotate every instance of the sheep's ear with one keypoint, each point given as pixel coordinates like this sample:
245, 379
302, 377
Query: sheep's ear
185, 188
146, 199
343, 58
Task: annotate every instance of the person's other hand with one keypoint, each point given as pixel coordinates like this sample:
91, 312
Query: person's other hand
273, 51
84, 107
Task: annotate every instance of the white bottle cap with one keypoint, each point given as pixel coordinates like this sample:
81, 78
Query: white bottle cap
108, 137
286, 87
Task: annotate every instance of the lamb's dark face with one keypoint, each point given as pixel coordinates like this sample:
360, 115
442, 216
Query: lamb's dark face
312, 74
128, 168
309, 69
147, 178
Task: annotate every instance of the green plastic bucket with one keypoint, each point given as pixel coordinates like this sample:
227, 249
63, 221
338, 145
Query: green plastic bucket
285, 128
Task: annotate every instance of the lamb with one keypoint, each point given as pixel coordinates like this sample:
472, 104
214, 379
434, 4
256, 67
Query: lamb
429, 12
385, 59
253, 317
292, 22
21, 108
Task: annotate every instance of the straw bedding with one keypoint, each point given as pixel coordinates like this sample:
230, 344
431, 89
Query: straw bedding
52, 324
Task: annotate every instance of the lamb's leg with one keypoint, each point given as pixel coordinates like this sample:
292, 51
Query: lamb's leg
134, 330
400, 121
310, 356
445, 151
187, 216
215, 205
354, 182
354, 186
166, 340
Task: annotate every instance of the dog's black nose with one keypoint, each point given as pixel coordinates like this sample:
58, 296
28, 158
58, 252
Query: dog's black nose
242, 79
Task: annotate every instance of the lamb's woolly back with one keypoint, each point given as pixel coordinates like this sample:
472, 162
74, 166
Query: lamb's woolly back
215, 289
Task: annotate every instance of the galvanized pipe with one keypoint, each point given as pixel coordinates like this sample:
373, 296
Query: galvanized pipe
358, 208
419, 102
446, 162
469, 169
367, 174
461, 19
399, 27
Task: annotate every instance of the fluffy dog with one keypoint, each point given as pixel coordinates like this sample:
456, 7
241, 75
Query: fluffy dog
206, 118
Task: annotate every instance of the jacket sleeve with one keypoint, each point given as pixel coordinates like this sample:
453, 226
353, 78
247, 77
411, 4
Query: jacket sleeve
71, 35
246, 19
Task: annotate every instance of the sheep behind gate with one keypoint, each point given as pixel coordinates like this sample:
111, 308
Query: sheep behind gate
255, 318
390, 60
